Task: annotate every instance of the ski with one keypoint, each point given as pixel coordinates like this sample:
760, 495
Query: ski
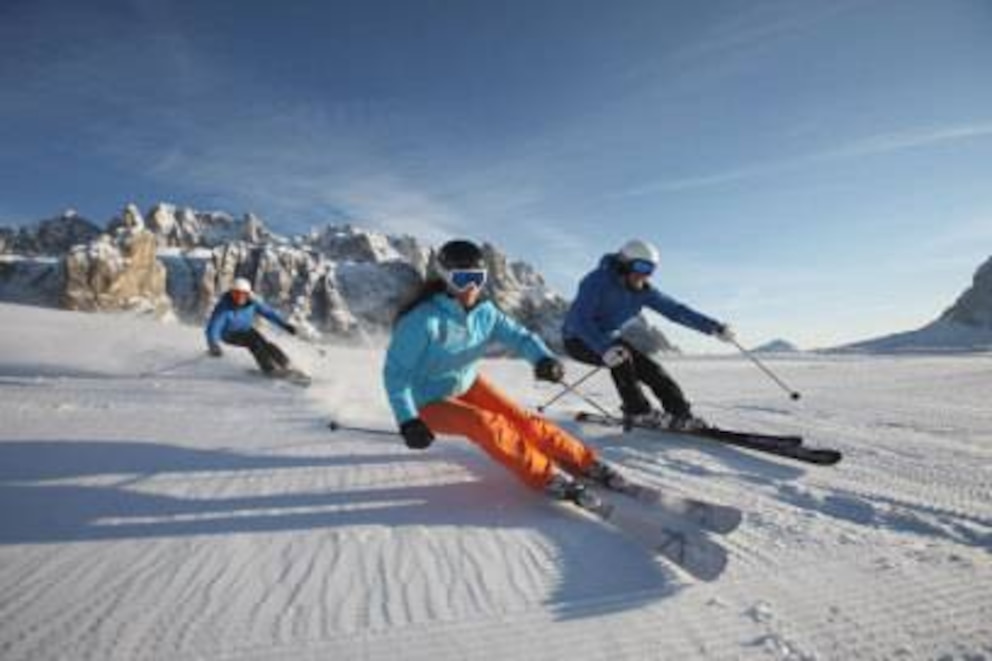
297, 377
780, 439
711, 517
712, 431
822, 457
666, 524
291, 375
677, 540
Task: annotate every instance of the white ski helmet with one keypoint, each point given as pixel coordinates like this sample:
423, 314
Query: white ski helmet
635, 249
242, 285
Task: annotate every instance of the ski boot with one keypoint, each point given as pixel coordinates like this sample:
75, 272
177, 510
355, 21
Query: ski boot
687, 422
607, 476
564, 488
650, 419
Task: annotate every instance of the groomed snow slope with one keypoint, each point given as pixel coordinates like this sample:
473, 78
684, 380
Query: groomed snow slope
205, 512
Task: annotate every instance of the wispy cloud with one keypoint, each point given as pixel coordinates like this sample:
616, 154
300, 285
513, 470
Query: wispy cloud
74, 62
303, 169
757, 27
397, 207
875, 145
963, 233
570, 255
284, 158
702, 181
154, 109
734, 42
920, 138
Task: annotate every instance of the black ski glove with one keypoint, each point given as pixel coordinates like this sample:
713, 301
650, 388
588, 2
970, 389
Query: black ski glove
417, 434
290, 328
549, 369
215, 351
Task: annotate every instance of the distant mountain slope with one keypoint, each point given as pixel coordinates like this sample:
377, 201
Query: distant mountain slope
965, 326
973, 308
940, 336
776, 346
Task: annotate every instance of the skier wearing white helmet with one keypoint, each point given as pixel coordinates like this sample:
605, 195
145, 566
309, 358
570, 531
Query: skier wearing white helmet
233, 322
610, 296
635, 249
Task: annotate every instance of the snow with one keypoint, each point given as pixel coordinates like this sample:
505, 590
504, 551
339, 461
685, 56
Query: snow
939, 336
203, 512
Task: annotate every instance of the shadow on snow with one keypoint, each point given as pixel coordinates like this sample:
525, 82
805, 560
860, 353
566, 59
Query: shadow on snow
600, 571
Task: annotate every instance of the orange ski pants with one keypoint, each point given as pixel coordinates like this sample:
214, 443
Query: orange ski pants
524, 442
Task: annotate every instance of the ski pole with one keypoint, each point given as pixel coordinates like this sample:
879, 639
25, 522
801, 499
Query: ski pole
593, 403
793, 394
334, 425
310, 343
588, 400
304, 339
173, 366
566, 388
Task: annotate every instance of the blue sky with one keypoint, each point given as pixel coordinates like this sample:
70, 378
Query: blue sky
817, 171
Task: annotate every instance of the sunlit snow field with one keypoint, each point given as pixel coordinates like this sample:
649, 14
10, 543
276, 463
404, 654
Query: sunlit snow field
206, 512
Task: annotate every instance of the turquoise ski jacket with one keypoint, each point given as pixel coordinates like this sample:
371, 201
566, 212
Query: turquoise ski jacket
436, 347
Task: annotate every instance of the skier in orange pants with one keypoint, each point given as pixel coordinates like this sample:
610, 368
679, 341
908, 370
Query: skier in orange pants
433, 385
525, 443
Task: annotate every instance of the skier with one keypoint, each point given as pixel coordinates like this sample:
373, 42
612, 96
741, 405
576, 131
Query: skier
233, 322
432, 381
610, 296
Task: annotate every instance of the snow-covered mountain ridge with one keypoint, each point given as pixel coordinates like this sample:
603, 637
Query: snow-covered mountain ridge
340, 280
964, 326
776, 346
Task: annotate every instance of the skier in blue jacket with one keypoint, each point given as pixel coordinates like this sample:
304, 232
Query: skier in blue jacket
233, 322
610, 296
434, 387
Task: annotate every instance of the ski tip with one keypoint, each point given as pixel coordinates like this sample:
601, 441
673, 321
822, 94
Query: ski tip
828, 457
732, 523
707, 567
710, 574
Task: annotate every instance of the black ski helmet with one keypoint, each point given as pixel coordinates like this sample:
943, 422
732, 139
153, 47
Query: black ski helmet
461, 254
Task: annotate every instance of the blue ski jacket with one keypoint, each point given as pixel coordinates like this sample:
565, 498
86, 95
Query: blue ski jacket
229, 318
436, 347
604, 303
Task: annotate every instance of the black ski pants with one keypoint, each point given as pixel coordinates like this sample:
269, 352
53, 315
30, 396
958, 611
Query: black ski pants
628, 376
268, 356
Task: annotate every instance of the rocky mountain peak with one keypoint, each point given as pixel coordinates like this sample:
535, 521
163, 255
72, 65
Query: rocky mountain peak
341, 280
974, 307
53, 236
965, 326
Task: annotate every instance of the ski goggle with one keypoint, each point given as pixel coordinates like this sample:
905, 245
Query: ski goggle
462, 279
641, 267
